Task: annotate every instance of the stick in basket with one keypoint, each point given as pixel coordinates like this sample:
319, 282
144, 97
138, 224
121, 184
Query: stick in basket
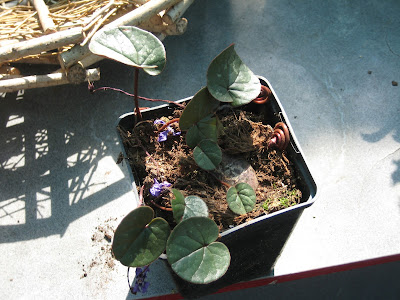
44, 18
133, 18
37, 81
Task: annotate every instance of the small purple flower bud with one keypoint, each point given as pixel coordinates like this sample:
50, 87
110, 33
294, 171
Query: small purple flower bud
141, 285
162, 137
166, 184
157, 188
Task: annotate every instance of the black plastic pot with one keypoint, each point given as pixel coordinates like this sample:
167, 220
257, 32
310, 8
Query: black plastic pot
256, 245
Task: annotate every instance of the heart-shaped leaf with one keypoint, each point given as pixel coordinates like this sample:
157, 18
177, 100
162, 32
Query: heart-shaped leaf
132, 46
194, 207
191, 206
207, 154
140, 239
204, 129
201, 105
230, 80
241, 198
193, 253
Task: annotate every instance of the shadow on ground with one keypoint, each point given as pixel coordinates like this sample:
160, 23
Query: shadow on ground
51, 142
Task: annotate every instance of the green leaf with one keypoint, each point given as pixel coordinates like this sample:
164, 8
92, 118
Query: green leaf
220, 127
201, 105
241, 198
194, 207
207, 154
193, 253
178, 205
140, 239
204, 129
132, 46
191, 206
230, 80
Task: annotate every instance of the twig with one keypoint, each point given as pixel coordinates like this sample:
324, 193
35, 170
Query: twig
21, 23
139, 97
173, 14
156, 25
98, 25
142, 13
50, 59
41, 44
44, 18
24, 21
93, 19
37, 81
177, 28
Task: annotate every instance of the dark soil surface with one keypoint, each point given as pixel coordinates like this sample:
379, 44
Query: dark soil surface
245, 136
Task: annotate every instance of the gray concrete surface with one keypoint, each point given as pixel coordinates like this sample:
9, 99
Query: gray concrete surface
60, 185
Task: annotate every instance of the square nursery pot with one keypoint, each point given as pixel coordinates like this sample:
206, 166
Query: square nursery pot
254, 246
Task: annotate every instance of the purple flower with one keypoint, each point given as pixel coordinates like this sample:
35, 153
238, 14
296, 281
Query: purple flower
157, 188
141, 285
176, 133
158, 121
162, 136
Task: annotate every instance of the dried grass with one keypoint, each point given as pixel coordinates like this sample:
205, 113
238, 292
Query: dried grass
20, 22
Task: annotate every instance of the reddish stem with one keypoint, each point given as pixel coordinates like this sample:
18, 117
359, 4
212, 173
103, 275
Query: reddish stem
264, 95
220, 181
272, 141
160, 207
167, 124
135, 88
285, 130
141, 195
224, 183
105, 88
281, 137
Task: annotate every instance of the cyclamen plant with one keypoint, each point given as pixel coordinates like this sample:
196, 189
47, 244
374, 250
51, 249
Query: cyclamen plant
191, 247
